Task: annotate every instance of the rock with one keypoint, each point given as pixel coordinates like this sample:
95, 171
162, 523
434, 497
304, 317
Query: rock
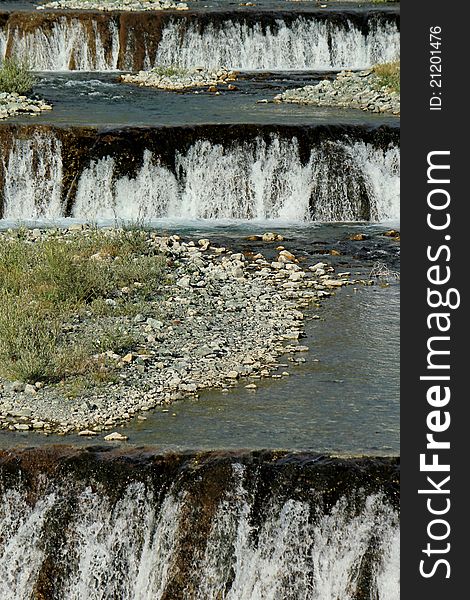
87, 433
128, 358
116, 437
286, 256
358, 237
319, 265
269, 237
184, 282
30, 389
251, 386
232, 375
17, 386
204, 244
154, 323
332, 283
203, 351
22, 426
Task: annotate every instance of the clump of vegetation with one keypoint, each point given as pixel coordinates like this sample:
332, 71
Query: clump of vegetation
171, 71
388, 75
50, 287
16, 76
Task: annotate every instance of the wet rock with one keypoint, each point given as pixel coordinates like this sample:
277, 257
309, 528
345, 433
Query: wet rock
116, 437
232, 375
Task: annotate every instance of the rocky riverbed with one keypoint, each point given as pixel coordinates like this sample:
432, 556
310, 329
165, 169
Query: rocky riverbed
182, 79
111, 5
348, 90
225, 319
14, 104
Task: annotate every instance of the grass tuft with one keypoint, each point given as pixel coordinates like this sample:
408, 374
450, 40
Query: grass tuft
16, 77
389, 75
170, 71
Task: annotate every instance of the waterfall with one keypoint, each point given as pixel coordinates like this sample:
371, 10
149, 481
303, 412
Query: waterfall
32, 184
259, 180
3, 42
86, 43
198, 532
68, 44
301, 44
381, 171
251, 181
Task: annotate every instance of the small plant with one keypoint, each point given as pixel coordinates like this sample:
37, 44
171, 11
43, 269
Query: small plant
388, 75
16, 77
171, 71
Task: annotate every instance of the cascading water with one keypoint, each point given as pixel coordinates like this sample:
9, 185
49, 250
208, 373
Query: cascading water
32, 182
261, 179
86, 43
68, 44
301, 44
3, 42
200, 528
381, 171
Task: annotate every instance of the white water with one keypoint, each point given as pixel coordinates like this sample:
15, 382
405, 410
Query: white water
33, 178
3, 42
21, 554
129, 549
68, 44
300, 45
252, 181
257, 181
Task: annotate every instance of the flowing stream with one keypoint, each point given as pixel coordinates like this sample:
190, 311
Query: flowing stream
180, 512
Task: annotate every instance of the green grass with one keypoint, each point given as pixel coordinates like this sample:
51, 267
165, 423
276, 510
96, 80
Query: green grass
388, 75
171, 71
15, 76
48, 287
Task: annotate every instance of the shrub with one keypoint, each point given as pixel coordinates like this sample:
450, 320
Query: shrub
16, 77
